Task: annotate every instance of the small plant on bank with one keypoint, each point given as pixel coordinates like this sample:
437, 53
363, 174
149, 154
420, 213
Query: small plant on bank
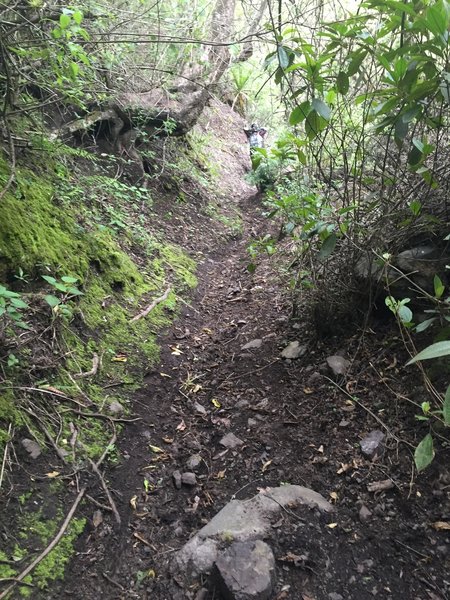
59, 304
424, 452
11, 306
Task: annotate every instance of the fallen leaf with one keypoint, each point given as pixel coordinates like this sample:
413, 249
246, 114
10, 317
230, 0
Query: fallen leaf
344, 468
441, 525
151, 573
176, 350
168, 440
266, 465
133, 502
207, 330
165, 375
181, 426
334, 496
308, 391
320, 449
52, 474
155, 449
119, 358
97, 518
332, 525
220, 474
216, 403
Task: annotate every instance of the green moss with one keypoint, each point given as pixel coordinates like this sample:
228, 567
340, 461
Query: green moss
38, 531
34, 232
9, 414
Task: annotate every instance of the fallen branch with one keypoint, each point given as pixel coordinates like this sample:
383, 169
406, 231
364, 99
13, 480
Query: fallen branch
93, 371
49, 548
5, 456
151, 306
107, 492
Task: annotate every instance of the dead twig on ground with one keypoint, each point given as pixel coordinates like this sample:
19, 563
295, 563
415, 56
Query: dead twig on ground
91, 372
5, 456
107, 492
151, 306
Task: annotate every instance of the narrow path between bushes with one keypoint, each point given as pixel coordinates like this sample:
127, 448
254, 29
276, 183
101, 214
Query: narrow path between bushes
222, 372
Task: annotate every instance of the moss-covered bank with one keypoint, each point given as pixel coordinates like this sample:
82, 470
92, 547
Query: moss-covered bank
56, 222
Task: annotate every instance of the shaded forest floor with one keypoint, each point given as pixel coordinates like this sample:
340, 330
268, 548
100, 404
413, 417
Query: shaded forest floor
298, 423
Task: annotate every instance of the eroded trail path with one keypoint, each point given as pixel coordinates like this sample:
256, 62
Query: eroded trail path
221, 372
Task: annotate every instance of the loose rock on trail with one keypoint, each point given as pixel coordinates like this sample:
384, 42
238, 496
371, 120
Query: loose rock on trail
230, 421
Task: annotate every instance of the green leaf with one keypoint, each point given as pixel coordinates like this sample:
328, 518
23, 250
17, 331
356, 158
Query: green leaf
18, 303
439, 287
434, 351
436, 18
415, 207
50, 280
424, 453
283, 57
328, 247
342, 83
446, 407
67, 279
321, 108
77, 16
405, 314
74, 69
64, 21
61, 287
300, 113
52, 300
314, 124
424, 325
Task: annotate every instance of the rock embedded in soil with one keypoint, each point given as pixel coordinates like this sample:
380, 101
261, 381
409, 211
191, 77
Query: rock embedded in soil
194, 462
372, 444
176, 476
32, 447
188, 479
230, 441
293, 350
252, 344
245, 571
364, 514
115, 408
338, 364
241, 521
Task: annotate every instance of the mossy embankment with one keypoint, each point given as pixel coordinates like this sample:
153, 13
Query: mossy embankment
59, 223
86, 244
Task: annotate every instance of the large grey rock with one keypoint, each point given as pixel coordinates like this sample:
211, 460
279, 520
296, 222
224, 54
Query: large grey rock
372, 443
338, 364
245, 571
32, 447
293, 350
252, 344
240, 521
230, 441
194, 462
115, 408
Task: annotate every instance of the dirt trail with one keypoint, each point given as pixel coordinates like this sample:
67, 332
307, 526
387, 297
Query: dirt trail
295, 424
296, 428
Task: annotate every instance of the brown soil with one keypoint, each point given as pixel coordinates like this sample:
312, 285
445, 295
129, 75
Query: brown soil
297, 426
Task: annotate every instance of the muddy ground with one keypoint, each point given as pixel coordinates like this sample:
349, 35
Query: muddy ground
299, 424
